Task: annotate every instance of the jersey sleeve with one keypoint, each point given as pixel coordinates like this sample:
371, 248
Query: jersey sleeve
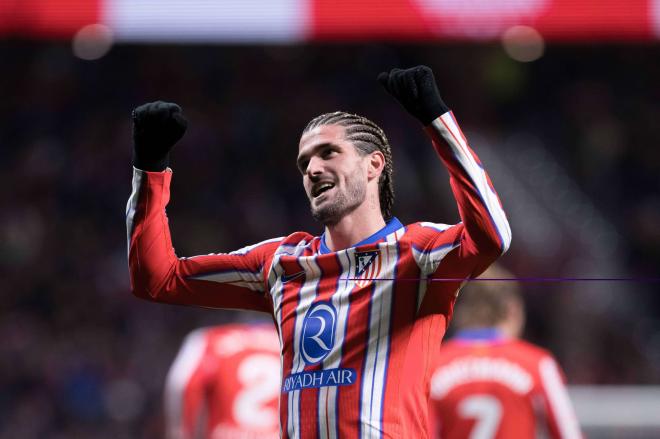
483, 233
560, 416
235, 280
185, 401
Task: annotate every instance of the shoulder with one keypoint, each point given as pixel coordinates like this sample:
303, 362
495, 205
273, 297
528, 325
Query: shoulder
430, 242
280, 245
426, 231
531, 354
296, 243
532, 349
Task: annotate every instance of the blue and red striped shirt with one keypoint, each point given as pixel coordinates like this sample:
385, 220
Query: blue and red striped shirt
359, 327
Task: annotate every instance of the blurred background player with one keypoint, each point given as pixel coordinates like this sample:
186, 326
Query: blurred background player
225, 383
488, 383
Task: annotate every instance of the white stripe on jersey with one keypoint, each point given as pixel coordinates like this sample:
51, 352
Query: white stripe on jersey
275, 274
242, 251
247, 279
452, 134
275, 280
328, 395
307, 295
421, 290
377, 350
131, 206
437, 226
249, 248
558, 399
393, 237
177, 379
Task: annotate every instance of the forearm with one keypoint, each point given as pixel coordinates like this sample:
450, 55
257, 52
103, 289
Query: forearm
486, 227
152, 260
486, 230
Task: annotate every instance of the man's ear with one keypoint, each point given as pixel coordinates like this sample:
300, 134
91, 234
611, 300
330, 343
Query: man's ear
376, 165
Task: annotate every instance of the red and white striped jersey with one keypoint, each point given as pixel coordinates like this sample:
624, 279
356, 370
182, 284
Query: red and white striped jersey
485, 386
358, 327
225, 384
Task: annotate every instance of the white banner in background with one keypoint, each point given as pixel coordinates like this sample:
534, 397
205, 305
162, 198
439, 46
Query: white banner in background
483, 8
655, 17
231, 21
481, 19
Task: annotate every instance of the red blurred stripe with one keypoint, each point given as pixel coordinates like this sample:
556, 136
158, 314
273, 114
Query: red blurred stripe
47, 18
365, 19
597, 20
410, 19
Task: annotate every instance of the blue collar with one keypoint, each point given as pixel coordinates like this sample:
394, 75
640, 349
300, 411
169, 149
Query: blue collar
479, 334
392, 225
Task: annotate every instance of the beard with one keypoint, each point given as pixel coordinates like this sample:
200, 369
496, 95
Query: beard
332, 211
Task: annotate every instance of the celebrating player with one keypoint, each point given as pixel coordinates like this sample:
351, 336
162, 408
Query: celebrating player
225, 384
487, 383
356, 343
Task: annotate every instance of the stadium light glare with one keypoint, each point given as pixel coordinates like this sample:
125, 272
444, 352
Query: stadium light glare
92, 42
523, 43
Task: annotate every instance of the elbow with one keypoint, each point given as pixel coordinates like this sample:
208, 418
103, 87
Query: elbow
505, 240
140, 291
500, 237
143, 289
150, 281
495, 244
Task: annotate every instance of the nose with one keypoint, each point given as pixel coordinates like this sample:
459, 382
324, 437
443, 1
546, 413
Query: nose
314, 167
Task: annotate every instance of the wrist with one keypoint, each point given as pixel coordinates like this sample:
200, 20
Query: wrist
151, 165
433, 111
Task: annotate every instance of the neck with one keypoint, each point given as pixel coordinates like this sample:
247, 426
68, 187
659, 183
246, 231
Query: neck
363, 222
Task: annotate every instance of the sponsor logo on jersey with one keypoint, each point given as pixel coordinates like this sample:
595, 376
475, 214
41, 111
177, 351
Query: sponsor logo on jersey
318, 332
367, 267
318, 378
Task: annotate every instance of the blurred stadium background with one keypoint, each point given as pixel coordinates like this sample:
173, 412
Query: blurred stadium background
561, 99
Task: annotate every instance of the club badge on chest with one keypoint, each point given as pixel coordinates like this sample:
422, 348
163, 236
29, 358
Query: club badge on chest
367, 267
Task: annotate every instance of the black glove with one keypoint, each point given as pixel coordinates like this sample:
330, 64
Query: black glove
157, 126
416, 90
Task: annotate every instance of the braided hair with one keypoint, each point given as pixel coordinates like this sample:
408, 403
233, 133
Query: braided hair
367, 138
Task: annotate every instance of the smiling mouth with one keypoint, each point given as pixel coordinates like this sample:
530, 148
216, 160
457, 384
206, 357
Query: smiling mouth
321, 188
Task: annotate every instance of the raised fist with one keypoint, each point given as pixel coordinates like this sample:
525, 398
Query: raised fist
416, 91
157, 126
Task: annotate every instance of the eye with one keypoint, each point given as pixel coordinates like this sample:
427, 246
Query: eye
302, 166
328, 153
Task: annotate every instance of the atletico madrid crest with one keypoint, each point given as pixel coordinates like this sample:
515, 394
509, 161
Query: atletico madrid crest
367, 267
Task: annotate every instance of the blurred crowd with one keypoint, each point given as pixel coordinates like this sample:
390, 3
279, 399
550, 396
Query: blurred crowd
571, 143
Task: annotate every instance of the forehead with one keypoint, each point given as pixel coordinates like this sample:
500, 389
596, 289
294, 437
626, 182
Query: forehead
321, 135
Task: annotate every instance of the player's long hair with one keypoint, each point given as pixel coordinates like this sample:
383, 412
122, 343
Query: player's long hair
367, 138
